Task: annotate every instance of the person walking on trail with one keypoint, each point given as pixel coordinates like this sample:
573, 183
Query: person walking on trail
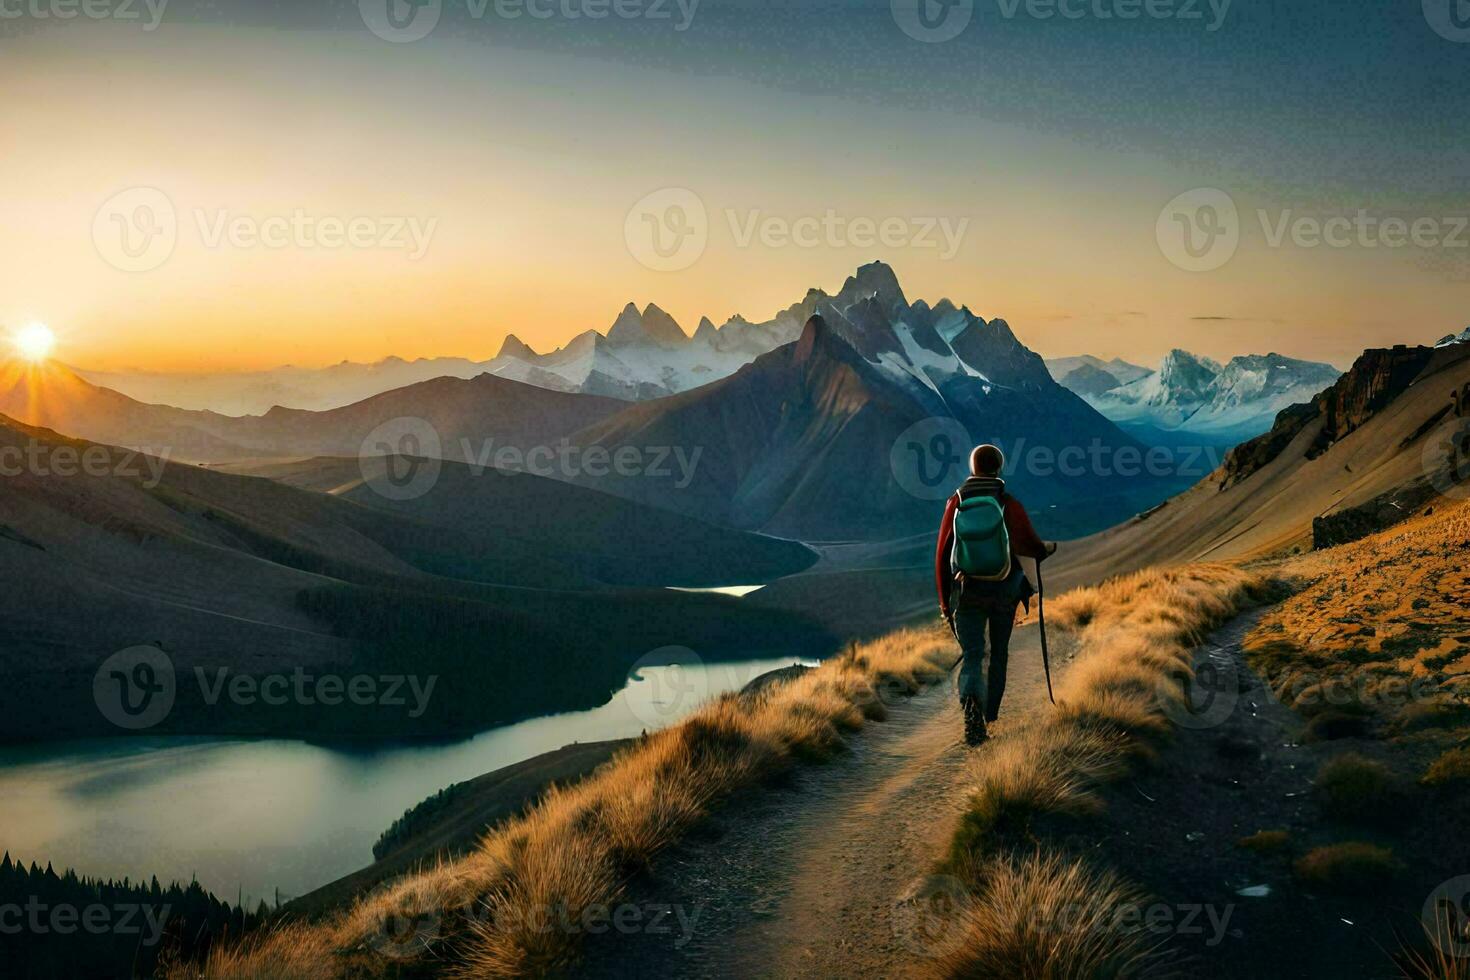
980, 582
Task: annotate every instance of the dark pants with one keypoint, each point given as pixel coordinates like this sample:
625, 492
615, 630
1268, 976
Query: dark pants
986, 683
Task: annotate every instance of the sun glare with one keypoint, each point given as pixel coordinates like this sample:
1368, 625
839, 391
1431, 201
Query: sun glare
34, 341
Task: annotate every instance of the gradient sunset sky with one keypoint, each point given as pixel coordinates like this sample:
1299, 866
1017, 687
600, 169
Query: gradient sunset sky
525, 142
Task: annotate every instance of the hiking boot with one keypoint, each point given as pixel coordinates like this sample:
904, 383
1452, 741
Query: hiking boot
975, 732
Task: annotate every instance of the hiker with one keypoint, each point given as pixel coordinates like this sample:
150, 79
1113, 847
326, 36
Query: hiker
981, 582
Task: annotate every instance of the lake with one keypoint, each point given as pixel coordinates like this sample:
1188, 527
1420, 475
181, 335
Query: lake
248, 816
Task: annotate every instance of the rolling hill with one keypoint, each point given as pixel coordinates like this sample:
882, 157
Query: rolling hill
467, 414
251, 576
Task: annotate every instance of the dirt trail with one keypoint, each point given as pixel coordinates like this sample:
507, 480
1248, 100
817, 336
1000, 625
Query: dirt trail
803, 879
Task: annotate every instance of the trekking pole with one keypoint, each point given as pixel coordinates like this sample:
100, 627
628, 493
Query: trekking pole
1041, 619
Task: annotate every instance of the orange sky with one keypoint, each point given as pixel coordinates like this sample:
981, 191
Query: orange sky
526, 168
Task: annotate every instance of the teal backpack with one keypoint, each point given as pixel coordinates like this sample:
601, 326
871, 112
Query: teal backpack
982, 545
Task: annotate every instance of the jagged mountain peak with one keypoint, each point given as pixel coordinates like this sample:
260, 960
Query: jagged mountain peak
513, 346
706, 332
1185, 375
662, 327
874, 279
651, 327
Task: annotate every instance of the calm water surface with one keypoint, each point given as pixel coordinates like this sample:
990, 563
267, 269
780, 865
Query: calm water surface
253, 815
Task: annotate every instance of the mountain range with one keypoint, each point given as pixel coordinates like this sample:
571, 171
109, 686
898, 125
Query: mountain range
643, 354
1365, 452
818, 439
1195, 398
1088, 375
821, 438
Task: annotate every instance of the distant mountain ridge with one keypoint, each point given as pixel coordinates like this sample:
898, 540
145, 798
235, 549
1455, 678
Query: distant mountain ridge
1193, 396
484, 410
827, 437
1088, 375
643, 354
1366, 451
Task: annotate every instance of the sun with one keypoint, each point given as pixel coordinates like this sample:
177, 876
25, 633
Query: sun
34, 341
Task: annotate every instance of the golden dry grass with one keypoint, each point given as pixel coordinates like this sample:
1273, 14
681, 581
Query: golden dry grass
1136, 634
1441, 958
1043, 917
496, 912
1453, 767
1378, 631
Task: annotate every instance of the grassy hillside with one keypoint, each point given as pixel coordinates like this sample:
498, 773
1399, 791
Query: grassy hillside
255, 578
486, 914
523, 518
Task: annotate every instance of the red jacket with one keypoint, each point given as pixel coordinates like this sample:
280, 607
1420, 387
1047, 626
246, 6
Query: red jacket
1025, 542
